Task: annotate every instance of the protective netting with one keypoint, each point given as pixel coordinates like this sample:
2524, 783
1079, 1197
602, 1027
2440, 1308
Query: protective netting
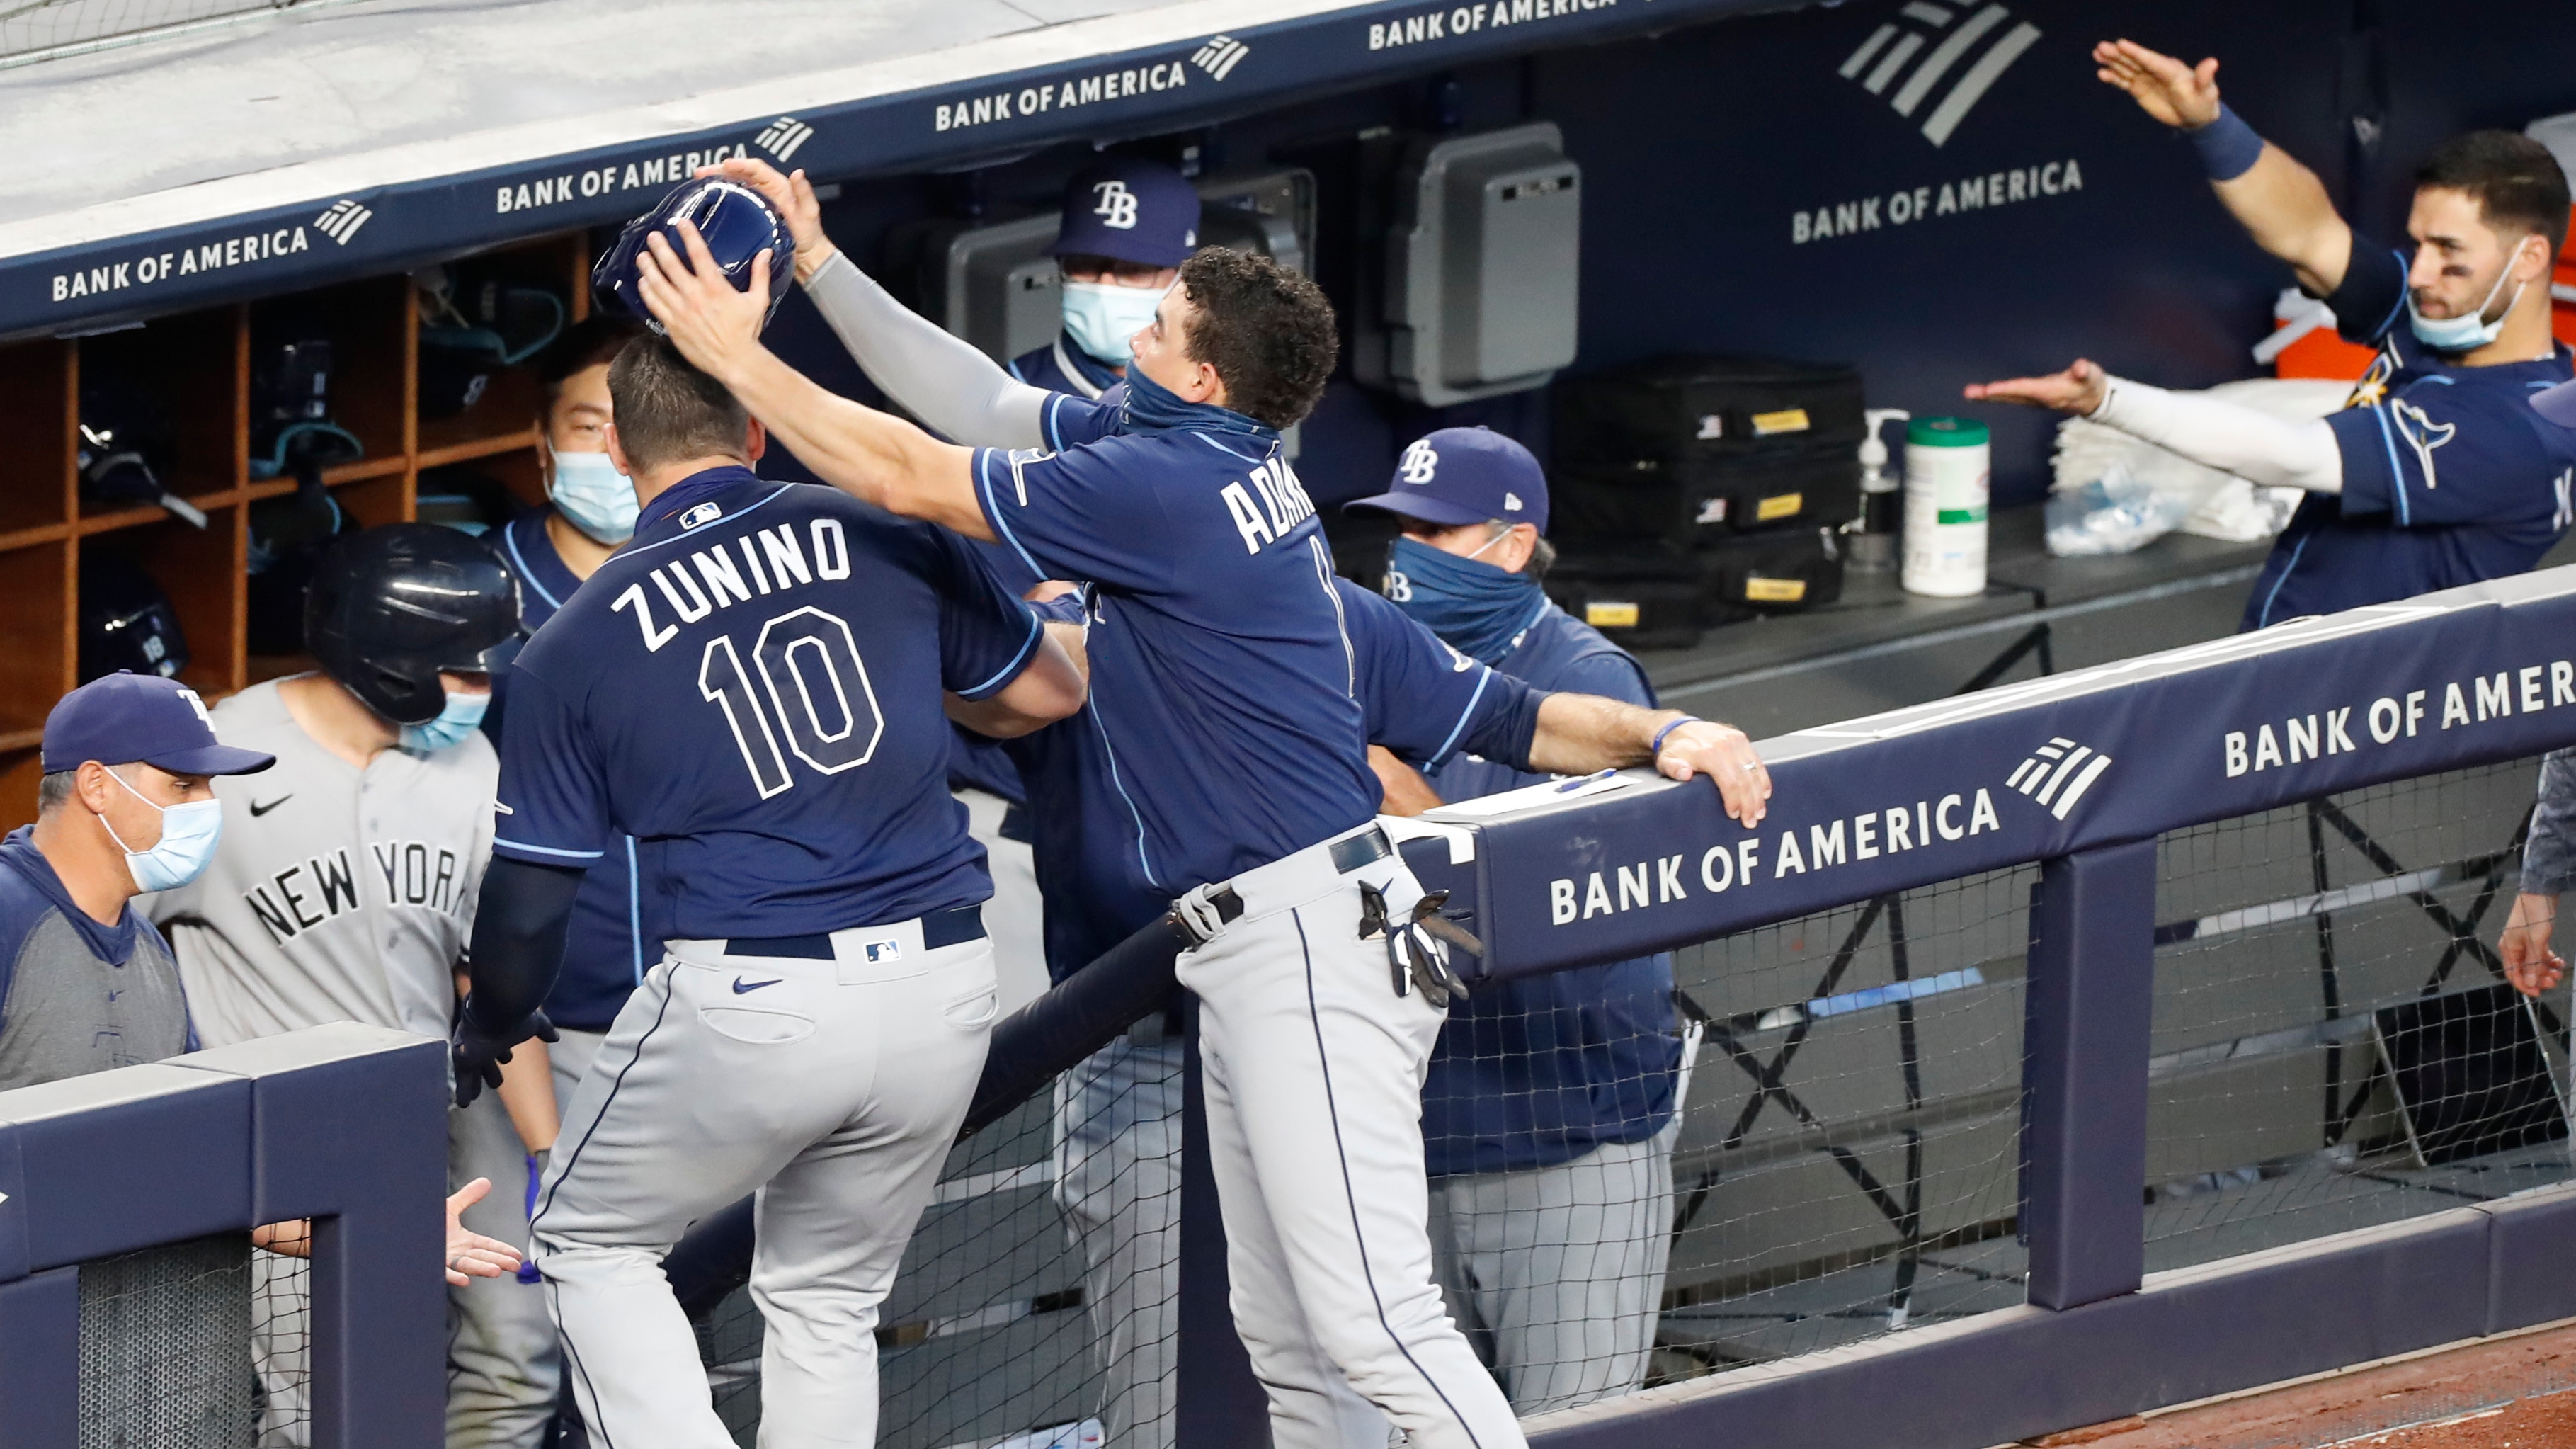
165, 1347
2334, 1044
37, 29
2333, 1048
1849, 1157
1000, 1325
281, 1348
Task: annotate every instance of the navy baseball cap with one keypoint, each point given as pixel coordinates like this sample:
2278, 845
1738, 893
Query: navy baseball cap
2558, 404
125, 717
1459, 476
1130, 211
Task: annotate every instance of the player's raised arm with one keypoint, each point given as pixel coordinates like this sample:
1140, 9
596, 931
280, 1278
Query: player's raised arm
2279, 202
940, 379
870, 455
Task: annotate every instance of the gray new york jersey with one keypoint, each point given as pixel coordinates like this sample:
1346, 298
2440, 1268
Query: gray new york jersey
336, 895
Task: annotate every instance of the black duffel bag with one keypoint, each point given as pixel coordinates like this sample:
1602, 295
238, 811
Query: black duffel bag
1773, 572
1750, 495
1673, 417
1640, 596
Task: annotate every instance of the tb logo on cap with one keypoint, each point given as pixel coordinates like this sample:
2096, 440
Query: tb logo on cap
1418, 463
1117, 206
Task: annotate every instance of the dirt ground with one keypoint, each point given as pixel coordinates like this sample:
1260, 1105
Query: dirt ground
2510, 1392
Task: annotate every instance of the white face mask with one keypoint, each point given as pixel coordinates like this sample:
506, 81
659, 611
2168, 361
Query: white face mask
593, 496
1103, 317
2470, 330
189, 833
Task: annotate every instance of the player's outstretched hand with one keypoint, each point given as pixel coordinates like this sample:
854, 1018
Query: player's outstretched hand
480, 1052
794, 197
715, 327
2184, 97
1726, 757
2079, 389
470, 1255
2523, 945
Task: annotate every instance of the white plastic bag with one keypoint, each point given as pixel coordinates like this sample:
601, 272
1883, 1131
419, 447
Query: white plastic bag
2115, 493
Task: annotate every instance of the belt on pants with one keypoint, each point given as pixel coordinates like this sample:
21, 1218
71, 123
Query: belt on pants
1347, 854
938, 928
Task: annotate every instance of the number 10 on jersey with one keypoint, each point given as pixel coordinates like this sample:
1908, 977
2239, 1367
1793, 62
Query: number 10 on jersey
807, 690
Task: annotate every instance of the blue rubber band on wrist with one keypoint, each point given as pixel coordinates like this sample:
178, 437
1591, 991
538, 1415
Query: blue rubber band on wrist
1657, 748
2228, 147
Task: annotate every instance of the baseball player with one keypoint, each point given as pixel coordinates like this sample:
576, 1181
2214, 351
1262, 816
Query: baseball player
1220, 654
1551, 1107
751, 689
2435, 474
345, 884
1127, 226
589, 511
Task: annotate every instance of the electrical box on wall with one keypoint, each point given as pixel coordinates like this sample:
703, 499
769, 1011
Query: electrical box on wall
996, 286
1478, 296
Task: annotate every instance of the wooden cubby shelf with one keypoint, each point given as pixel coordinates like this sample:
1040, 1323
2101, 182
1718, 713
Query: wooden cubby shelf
197, 371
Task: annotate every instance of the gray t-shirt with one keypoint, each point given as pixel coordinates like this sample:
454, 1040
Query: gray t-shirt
77, 996
336, 895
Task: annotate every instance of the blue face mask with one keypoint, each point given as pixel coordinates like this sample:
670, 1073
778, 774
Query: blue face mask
1475, 608
2470, 330
463, 714
187, 846
1153, 408
1104, 317
593, 496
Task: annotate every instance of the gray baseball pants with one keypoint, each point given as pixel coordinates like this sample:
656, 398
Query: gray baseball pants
1313, 1069
1557, 1273
834, 1087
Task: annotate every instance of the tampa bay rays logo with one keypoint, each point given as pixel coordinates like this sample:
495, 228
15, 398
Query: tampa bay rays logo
1893, 46
2058, 773
2371, 388
1418, 464
1117, 205
2422, 434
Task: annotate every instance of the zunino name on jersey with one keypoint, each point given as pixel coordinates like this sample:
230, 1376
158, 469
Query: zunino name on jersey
320, 889
701, 583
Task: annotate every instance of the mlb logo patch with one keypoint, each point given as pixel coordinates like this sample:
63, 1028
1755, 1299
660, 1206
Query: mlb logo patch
881, 952
703, 513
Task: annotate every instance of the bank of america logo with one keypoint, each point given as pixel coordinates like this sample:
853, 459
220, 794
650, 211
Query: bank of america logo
1890, 49
1218, 56
342, 221
783, 137
2058, 773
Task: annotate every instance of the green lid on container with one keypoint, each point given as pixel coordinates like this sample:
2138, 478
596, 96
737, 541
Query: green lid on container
1946, 433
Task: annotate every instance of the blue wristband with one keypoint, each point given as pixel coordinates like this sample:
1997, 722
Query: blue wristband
1656, 749
2228, 147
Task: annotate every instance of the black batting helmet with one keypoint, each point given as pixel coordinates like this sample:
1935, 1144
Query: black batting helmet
390, 608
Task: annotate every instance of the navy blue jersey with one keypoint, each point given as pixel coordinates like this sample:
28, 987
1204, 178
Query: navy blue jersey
1423, 701
752, 689
2449, 476
606, 949
33, 898
1222, 673
1062, 366
1534, 1072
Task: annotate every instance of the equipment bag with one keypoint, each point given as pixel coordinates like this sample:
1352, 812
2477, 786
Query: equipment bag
1640, 596
1716, 503
1665, 416
1774, 573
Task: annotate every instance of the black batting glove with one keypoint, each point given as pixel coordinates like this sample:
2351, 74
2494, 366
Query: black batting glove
480, 1052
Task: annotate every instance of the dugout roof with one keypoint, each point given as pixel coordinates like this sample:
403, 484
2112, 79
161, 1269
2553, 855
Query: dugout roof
362, 136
